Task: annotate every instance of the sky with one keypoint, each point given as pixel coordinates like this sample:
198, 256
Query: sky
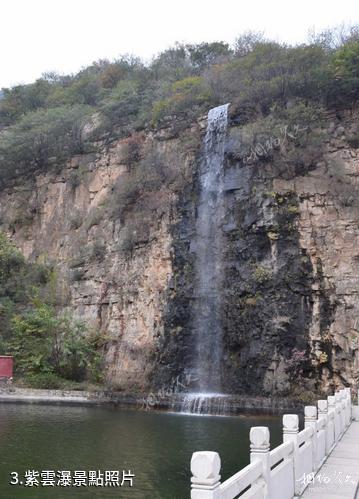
37, 36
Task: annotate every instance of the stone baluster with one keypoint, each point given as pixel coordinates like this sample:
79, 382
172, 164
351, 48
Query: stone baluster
349, 405
338, 408
344, 408
259, 437
205, 468
349, 398
332, 407
323, 414
310, 421
290, 434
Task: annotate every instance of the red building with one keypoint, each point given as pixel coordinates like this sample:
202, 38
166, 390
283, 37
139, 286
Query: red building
6, 366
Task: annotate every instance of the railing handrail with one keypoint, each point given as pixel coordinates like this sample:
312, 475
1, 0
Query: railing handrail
301, 453
242, 479
305, 435
281, 452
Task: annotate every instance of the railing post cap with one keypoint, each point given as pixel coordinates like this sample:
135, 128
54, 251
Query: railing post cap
310, 411
290, 422
322, 405
205, 465
259, 437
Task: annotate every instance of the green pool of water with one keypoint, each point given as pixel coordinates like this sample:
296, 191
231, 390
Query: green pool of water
156, 447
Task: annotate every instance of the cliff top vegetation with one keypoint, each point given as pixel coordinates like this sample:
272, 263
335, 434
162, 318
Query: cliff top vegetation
44, 123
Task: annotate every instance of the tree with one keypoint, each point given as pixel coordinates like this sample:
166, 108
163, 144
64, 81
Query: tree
342, 76
247, 42
22, 99
42, 135
346, 61
205, 54
172, 64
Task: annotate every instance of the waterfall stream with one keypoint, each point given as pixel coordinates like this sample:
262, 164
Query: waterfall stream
208, 247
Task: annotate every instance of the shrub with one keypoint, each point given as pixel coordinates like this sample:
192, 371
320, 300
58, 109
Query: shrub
94, 217
98, 250
125, 192
203, 55
121, 107
297, 363
77, 275
345, 62
132, 149
128, 239
290, 138
186, 93
41, 139
18, 278
112, 75
21, 99
45, 381
11, 260
75, 179
262, 274
343, 75
43, 343
75, 221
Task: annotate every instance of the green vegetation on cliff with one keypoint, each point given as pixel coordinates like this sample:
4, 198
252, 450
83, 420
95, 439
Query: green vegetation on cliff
42, 124
48, 348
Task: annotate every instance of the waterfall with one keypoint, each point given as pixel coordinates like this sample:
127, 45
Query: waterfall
208, 249
216, 404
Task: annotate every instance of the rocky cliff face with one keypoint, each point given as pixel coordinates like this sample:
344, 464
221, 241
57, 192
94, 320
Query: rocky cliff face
110, 269
289, 300
328, 229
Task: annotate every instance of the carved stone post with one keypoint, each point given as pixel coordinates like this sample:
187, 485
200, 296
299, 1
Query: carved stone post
259, 437
290, 434
205, 468
310, 421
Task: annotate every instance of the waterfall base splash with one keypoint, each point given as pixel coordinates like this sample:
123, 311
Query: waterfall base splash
216, 404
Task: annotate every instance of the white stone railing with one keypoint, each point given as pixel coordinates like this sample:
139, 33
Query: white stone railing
279, 473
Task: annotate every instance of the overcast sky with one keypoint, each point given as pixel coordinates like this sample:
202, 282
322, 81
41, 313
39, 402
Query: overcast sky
65, 35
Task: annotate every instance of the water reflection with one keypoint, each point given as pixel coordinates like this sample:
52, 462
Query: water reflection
157, 447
